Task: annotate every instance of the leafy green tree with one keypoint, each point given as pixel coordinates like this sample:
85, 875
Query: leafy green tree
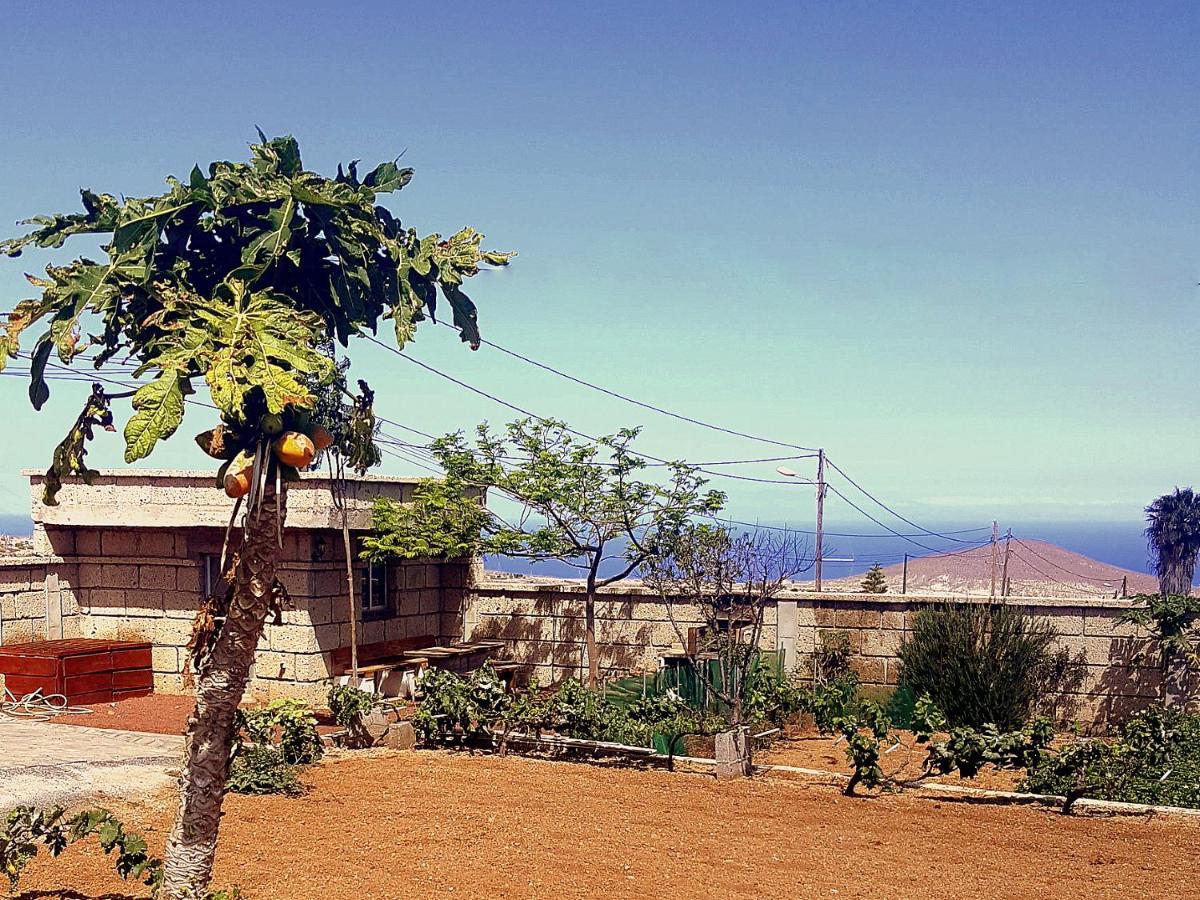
579, 502
874, 582
1173, 532
235, 279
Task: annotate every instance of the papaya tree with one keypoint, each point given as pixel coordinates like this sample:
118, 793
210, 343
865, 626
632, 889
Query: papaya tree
582, 502
238, 280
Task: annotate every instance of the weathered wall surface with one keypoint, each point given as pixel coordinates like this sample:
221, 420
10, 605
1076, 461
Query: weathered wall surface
544, 623
36, 603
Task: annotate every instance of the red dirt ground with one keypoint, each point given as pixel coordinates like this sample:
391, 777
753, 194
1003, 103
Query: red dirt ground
431, 824
155, 714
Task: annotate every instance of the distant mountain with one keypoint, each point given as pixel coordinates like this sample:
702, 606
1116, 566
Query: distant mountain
1035, 569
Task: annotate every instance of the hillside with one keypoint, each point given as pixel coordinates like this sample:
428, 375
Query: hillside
1035, 568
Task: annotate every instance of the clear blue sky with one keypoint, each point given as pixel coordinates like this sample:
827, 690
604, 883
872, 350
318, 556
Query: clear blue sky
954, 244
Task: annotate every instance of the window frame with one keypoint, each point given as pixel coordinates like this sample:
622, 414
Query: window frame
372, 578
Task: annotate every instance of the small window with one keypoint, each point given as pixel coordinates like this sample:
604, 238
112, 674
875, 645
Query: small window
210, 573
372, 589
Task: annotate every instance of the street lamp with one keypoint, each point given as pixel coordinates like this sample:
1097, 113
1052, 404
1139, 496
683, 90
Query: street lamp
788, 473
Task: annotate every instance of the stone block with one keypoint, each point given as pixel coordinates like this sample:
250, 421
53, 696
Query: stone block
409, 576
310, 667
91, 575
18, 578
119, 576
430, 601
164, 659
173, 632
18, 631
859, 618
73, 626
881, 643
101, 601
269, 664
29, 605
87, 542
893, 620
825, 616
160, 578
871, 670
155, 543
302, 638
116, 543
140, 602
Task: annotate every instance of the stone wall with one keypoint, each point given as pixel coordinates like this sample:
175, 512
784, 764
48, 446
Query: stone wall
147, 583
35, 602
544, 625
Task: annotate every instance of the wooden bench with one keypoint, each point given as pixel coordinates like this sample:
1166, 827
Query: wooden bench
392, 668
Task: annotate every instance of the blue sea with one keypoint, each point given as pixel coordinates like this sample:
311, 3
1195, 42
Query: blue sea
1118, 544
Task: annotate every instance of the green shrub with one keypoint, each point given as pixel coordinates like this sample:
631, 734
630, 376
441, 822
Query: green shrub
982, 664
286, 724
1154, 758
349, 704
263, 769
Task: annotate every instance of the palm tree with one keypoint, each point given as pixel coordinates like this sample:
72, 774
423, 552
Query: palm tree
1173, 532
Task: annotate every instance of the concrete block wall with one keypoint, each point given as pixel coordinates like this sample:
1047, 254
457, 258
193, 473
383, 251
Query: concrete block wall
544, 626
36, 603
1113, 675
146, 584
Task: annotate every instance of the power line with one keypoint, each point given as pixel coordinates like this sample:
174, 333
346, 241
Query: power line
525, 412
644, 405
884, 506
1059, 566
1056, 581
854, 505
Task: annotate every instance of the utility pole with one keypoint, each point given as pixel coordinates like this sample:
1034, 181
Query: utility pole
995, 536
1005, 587
820, 514
904, 581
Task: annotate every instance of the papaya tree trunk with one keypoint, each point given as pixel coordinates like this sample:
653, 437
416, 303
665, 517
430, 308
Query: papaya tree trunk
220, 685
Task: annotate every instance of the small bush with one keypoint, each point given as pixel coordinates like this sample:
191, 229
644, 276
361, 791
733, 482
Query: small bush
982, 664
288, 725
263, 769
1155, 758
349, 704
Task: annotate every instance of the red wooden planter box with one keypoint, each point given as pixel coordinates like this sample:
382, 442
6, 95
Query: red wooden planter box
85, 670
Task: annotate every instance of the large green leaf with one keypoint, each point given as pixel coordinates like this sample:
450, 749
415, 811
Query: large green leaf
158, 410
239, 275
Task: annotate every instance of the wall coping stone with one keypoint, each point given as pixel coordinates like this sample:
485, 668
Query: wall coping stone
633, 588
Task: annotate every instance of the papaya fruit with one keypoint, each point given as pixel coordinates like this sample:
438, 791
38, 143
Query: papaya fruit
293, 448
271, 424
321, 438
237, 484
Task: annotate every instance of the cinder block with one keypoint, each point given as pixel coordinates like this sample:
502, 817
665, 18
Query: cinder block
87, 542
164, 659
91, 575
118, 543
119, 576
155, 543
161, 578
